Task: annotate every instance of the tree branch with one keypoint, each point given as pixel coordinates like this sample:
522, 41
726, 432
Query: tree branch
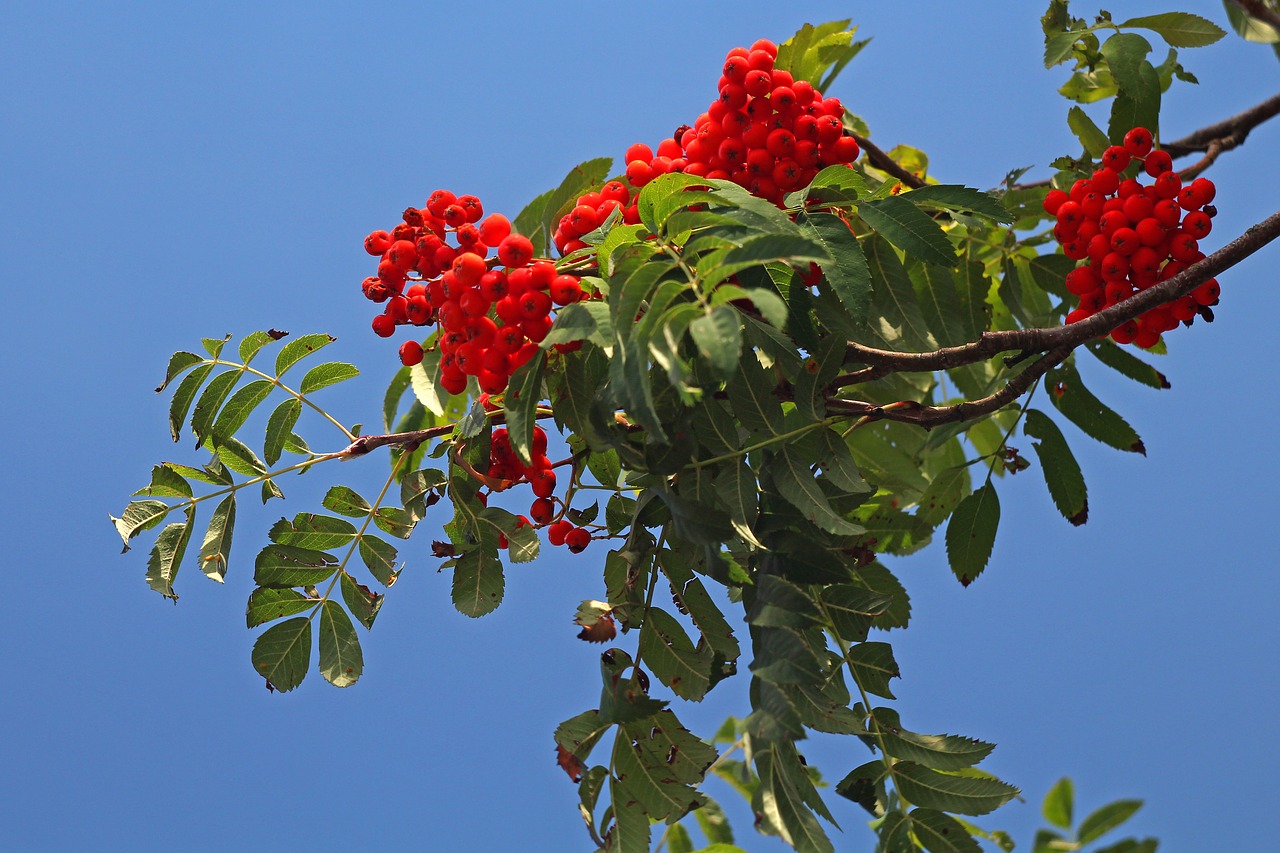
1040, 340
885, 163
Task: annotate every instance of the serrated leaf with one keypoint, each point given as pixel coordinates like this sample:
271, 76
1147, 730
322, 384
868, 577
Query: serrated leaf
1095, 142
1105, 819
317, 532
252, 343
672, 657
910, 229
941, 833
581, 321
363, 602
237, 456
786, 808
1073, 399
415, 487
538, 219
240, 406
478, 582
944, 494
210, 402
167, 553
796, 483
165, 483
282, 654
379, 558
658, 760
324, 375
524, 390
1059, 802
961, 199
394, 521
718, 337
966, 795
279, 427
850, 609
298, 349
751, 395
183, 397
847, 272
873, 665
266, 604
1061, 471
939, 302
216, 547
346, 501
1180, 29
971, 533
290, 566
179, 363
214, 346
1126, 363
939, 752
895, 316
270, 490
341, 660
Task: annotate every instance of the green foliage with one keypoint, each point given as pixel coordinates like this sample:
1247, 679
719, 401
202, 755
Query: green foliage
763, 404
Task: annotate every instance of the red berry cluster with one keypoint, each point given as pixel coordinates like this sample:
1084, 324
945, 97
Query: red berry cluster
1134, 236
507, 468
423, 279
766, 132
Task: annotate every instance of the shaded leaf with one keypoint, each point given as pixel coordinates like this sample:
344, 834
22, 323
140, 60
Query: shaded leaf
909, 228
279, 427
290, 566
282, 654
1105, 819
939, 752
298, 349
341, 660
941, 833
971, 533
216, 547
266, 604
167, 553
873, 665
968, 795
1061, 471
240, 406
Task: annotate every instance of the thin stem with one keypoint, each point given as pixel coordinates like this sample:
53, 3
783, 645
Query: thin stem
822, 424
244, 368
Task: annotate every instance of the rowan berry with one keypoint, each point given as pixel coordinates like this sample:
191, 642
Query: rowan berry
515, 250
577, 539
1138, 142
557, 531
410, 353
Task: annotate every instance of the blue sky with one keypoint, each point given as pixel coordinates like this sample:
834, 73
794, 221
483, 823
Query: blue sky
174, 172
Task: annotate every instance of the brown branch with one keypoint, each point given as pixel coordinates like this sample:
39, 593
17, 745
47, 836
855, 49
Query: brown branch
1040, 340
367, 443
1256, 9
885, 163
932, 416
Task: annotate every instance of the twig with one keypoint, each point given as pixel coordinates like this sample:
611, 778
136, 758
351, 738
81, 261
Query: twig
885, 163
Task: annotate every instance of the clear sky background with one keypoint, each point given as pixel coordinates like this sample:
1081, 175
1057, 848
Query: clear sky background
174, 171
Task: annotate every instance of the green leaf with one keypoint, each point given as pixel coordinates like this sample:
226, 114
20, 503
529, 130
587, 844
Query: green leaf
214, 346
538, 219
1058, 803
910, 229
1073, 399
672, 657
415, 487
345, 501
895, 317
974, 286
167, 553
317, 532
240, 406
217, 539
751, 395
939, 752
364, 602
1095, 142
478, 582
267, 604
524, 390
971, 533
393, 520
183, 397
787, 809
939, 302
873, 665
581, 321
237, 456
1139, 107
324, 375
166, 483
298, 349
968, 795
1061, 471
282, 654
341, 661
1106, 819
1125, 362
210, 402
391, 400
961, 199
796, 483
941, 833
850, 609
290, 566
847, 270
718, 336
252, 343
943, 495
1250, 28
179, 362
279, 426
659, 760
1125, 53
379, 558
1180, 29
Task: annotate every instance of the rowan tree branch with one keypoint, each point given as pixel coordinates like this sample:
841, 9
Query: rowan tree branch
882, 161
367, 443
1041, 340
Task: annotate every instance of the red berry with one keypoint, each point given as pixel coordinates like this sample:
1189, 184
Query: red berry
515, 250
377, 243
577, 539
384, 326
556, 532
542, 510
1138, 142
543, 482
410, 353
